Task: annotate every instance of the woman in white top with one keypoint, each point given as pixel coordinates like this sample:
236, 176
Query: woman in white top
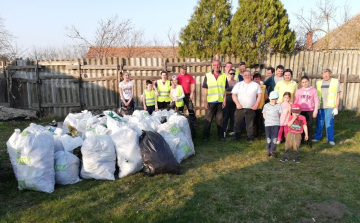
176, 95
126, 92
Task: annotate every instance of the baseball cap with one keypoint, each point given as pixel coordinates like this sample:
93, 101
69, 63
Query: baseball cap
242, 63
274, 95
295, 108
183, 67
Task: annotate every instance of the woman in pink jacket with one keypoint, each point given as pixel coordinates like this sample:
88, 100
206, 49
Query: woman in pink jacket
307, 97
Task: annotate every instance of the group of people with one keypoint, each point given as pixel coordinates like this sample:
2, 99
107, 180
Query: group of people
276, 105
239, 100
161, 94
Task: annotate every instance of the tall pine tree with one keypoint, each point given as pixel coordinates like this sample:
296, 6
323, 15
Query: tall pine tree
203, 36
258, 27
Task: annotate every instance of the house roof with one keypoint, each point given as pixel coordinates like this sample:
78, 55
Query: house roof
345, 37
127, 52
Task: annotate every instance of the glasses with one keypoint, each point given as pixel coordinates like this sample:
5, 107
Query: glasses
287, 70
232, 73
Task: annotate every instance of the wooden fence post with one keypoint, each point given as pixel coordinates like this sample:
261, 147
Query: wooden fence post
81, 93
119, 68
38, 87
345, 88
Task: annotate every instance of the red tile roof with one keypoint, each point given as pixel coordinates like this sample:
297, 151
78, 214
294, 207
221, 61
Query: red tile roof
127, 52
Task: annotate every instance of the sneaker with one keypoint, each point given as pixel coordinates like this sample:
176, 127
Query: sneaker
278, 142
283, 160
231, 133
332, 143
315, 140
273, 154
250, 140
224, 134
268, 153
296, 160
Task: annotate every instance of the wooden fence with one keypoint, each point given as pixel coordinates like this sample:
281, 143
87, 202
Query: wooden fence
60, 87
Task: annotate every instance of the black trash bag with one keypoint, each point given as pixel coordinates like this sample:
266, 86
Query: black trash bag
156, 154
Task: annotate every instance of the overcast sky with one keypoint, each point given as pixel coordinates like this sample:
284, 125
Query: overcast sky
41, 23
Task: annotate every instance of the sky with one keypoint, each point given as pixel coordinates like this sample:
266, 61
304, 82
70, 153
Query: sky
42, 23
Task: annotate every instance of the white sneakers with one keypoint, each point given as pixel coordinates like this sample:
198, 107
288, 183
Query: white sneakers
315, 140
332, 143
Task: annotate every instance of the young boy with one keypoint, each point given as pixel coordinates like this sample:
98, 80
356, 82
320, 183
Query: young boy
297, 125
150, 97
271, 113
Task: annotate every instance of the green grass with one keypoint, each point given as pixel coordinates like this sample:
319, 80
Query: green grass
223, 182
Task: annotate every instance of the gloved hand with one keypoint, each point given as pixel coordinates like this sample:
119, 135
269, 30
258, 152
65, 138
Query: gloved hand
335, 111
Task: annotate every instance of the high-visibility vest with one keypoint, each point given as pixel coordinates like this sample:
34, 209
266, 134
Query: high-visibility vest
216, 87
262, 100
179, 92
149, 97
238, 76
332, 92
163, 90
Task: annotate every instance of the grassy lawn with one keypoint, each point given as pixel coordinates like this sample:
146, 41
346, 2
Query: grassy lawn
223, 182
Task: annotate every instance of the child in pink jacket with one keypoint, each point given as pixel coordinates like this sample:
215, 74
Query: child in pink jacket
307, 97
285, 107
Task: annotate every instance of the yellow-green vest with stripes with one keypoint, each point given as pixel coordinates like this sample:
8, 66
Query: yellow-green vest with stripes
332, 92
179, 92
163, 90
149, 97
216, 87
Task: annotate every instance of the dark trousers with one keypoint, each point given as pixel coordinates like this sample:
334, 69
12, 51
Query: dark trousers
150, 109
258, 122
228, 114
163, 105
131, 105
271, 137
173, 106
248, 114
309, 120
189, 105
214, 110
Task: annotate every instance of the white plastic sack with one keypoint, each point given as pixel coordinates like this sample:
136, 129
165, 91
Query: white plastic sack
113, 120
32, 157
66, 168
58, 146
179, 144
69, 143
78, 120
128, 151
183, 123
99, 158
140, 114
98, 129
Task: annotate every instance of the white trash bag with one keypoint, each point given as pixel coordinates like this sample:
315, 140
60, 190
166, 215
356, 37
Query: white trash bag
113, 120
78, 120
179, 144
69, 143
66, 168
128, 151
140, 114
32, 157
183, 123
98, 156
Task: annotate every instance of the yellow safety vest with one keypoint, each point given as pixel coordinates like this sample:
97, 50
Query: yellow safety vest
332, 92
179, 92
149, 97
262, 100
163, 90
216, 87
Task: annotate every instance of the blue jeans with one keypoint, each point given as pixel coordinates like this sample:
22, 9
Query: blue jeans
325, 116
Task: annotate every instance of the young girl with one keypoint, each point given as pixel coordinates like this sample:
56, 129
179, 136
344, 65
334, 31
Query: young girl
177, 95
308, 99
285, 107
271, 113
126, 92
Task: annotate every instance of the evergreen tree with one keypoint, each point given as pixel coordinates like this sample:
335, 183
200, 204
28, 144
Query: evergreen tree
259, 26
203, 36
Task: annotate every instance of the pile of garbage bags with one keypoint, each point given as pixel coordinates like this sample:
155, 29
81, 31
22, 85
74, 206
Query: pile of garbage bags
42, 156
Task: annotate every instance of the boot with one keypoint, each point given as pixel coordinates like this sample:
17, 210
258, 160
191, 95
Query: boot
206, 131
237, 136
220, 131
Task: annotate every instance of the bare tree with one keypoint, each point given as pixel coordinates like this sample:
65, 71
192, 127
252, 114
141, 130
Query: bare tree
134, 43
7, 47
109, 33
173, 38
320, 21
65, 52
